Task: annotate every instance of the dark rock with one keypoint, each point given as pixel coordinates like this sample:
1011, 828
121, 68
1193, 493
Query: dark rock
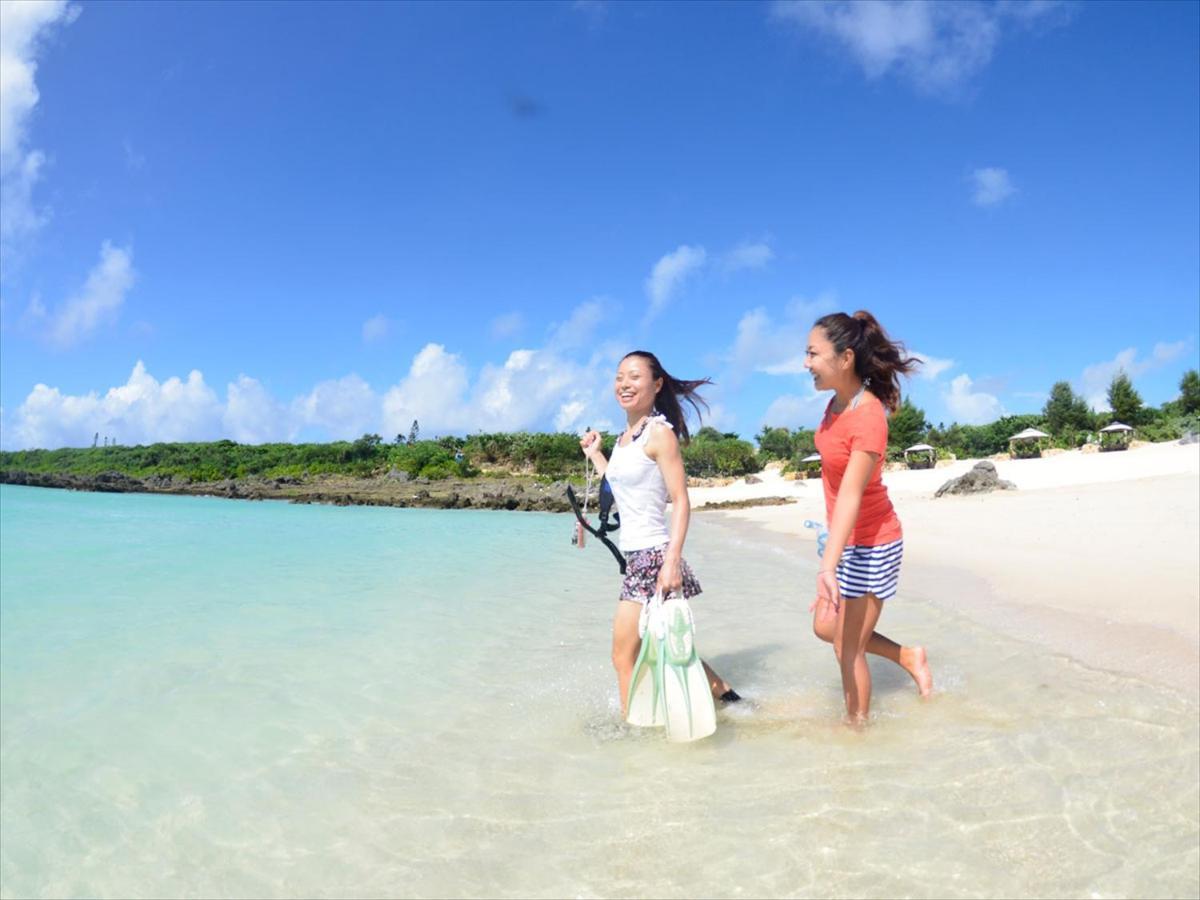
746, 504
753, 479
398, 475
982, 479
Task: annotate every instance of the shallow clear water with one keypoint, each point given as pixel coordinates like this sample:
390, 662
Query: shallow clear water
204, 697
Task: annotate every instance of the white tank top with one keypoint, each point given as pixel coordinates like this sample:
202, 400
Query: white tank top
640, 492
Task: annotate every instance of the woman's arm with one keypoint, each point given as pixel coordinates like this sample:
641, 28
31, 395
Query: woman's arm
849, 499
593, 449
663, 448
845, 514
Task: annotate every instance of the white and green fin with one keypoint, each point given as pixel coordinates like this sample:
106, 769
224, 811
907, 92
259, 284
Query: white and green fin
645, 702
686, 697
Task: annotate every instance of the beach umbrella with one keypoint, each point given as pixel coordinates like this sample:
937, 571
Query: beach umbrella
1029, 434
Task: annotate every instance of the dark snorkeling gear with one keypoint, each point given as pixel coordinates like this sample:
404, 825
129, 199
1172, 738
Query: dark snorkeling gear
605, 505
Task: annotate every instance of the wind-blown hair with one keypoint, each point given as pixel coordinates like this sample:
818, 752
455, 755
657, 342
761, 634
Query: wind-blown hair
673, 391
878, 360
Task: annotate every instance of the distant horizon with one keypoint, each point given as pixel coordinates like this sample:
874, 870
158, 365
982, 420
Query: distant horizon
466, 214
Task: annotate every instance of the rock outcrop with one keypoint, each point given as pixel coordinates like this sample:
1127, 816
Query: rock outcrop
982, 479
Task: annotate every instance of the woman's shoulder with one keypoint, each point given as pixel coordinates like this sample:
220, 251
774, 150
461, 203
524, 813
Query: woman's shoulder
658, 430
868, 413
872, 415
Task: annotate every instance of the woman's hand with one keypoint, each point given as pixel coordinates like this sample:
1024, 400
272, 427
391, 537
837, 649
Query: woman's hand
829, 595
670, 577
590, 443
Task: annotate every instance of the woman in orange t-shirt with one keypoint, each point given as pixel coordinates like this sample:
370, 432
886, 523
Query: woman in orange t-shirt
853, 357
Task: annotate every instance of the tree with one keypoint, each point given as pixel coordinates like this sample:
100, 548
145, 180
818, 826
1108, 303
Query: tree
1126, 403
1189, 392
774, 443
907, 425
1066, 410
414, 432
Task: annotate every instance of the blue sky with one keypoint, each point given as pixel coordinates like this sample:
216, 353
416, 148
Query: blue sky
309, 221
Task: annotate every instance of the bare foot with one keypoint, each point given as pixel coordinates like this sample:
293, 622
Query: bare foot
914, 661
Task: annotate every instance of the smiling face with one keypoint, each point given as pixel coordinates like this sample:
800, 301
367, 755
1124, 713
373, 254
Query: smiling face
830, 369
635, 387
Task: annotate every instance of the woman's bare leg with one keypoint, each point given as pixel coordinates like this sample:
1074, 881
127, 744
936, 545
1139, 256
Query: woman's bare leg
912, 660
855, 624
718, 685
625, 646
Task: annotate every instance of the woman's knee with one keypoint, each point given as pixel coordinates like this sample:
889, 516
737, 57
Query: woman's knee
624, 654
824, 629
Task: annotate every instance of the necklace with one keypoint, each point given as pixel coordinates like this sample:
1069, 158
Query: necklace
849, 406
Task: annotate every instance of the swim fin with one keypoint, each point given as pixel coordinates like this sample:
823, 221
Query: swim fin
687, 699
644, 706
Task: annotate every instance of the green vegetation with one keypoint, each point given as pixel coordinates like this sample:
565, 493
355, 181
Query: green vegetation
1126, 402
1066, 412
219, 460
712, 452
1066, 417
1189, 393
907, 426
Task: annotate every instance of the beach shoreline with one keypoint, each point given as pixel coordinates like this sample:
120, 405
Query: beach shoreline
1093, 556
1096, 561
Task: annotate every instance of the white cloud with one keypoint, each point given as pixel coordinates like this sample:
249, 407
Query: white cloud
931, 366
777, 348
747, 255
534, 388
507, 325
344, 408
579, 327
142, 410
253, 416
992, 186
1093, 384
937, 46
796, 410
134, 159
99, 299
596, 11
669, 274
23, 30
971, 406
433, 393
376, 328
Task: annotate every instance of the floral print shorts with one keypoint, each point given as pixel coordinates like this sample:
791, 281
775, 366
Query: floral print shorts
641, 575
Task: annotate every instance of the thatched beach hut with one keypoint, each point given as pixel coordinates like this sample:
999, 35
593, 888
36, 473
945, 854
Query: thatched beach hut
1027, 444
920, 456
811, 465
1115, 436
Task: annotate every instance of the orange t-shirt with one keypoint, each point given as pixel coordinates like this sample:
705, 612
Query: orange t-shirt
862, 428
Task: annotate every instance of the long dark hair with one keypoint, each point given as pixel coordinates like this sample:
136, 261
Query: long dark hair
673, 390
878, 360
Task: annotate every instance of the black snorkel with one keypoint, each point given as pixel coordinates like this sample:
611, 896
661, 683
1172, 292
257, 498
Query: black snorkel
605, 505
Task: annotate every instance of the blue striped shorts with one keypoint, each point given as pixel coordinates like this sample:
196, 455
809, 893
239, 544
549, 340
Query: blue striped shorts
870, 570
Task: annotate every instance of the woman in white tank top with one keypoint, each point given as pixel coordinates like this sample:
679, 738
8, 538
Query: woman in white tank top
646, 473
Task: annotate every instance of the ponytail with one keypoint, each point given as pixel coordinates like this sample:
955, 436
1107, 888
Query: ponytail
673, 390
878, 360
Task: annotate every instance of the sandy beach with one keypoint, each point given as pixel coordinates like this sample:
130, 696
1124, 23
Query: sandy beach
1093, 556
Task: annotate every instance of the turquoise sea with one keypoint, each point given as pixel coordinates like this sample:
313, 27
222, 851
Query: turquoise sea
214, 698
